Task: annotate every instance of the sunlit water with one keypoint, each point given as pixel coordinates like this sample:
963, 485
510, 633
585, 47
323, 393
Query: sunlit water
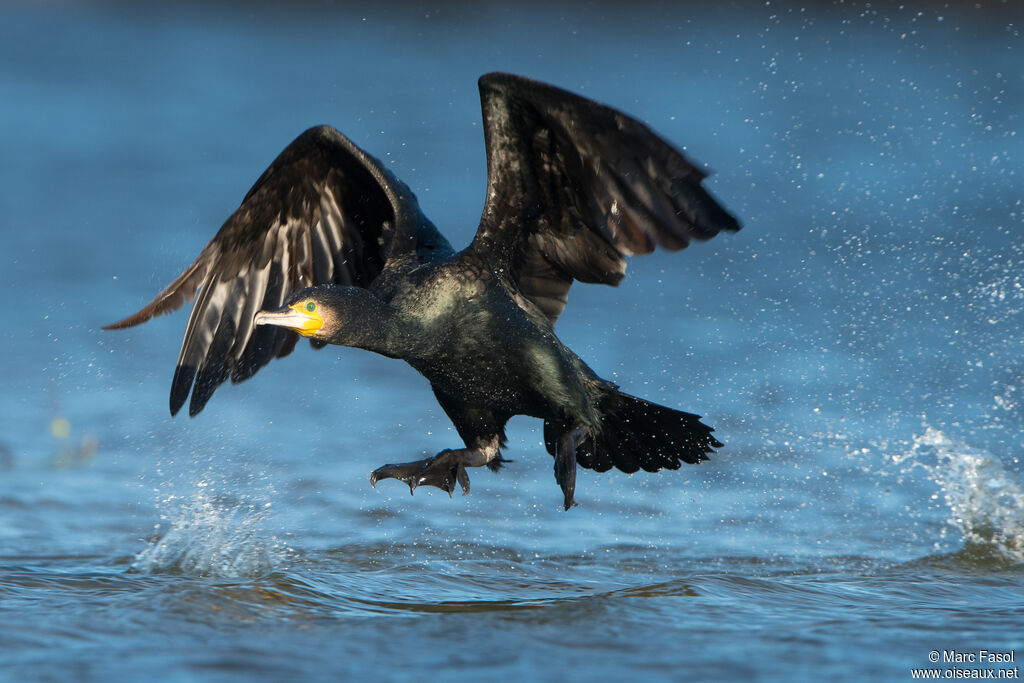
857, 347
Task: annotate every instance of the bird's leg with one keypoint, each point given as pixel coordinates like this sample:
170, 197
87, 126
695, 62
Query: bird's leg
565, 462
443, 470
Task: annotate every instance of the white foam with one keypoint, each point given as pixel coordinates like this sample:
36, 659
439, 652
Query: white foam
985, 502
206, 537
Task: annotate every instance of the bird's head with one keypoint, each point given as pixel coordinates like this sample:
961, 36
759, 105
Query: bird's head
343, 315
312, 312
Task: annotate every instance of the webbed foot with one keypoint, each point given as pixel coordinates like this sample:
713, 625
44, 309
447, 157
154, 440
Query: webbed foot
565, 463
443, 471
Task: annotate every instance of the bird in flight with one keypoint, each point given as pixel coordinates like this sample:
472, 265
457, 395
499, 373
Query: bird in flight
331, 246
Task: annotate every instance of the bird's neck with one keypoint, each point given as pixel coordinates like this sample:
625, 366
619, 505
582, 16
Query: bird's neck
375, 326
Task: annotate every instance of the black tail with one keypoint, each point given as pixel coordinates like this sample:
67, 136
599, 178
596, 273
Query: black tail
637, 434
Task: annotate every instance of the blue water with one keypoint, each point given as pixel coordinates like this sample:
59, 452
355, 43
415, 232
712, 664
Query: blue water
857, 346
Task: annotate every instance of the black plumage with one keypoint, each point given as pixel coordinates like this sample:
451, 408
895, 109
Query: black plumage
328, 243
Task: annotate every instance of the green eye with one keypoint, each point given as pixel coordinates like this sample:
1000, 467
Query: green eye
310, 306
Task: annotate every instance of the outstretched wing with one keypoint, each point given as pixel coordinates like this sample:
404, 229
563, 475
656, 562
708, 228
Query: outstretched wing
323, 212
574, 187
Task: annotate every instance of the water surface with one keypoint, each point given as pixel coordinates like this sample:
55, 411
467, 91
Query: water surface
857, 346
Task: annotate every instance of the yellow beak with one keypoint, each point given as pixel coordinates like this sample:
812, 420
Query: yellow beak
294, 317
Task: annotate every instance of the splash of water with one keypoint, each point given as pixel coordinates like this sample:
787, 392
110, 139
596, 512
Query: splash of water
205, 536
986, 504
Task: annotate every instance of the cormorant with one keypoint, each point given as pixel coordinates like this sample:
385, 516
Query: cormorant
328, 244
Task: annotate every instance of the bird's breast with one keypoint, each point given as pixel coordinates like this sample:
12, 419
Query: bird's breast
496, 357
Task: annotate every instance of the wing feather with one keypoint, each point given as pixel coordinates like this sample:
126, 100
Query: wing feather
574, 187
324, 212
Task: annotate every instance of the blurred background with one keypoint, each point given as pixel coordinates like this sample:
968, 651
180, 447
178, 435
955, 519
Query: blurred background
857, 347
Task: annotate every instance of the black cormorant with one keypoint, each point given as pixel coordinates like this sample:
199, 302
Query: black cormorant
330, 245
